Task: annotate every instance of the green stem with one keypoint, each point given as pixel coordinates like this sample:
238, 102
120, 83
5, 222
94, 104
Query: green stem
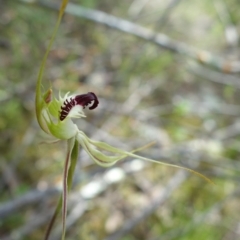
65, 187
74, 157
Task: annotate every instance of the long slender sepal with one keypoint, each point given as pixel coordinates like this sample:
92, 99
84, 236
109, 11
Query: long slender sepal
104, 160
107, 147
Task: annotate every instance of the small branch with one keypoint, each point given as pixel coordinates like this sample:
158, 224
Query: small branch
159, 39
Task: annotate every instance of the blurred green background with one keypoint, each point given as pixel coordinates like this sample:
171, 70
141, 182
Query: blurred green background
184, 99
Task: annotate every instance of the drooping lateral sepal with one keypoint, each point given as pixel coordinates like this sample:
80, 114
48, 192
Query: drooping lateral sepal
97, 156
101, 159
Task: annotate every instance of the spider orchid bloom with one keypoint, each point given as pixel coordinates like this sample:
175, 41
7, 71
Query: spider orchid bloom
54, 117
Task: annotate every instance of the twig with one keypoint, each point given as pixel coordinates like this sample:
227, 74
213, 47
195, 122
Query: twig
157, 38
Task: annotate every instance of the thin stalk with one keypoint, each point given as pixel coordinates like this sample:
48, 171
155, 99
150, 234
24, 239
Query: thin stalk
74, 157
65, 187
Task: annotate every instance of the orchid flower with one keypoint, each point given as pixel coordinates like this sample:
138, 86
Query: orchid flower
55, 115
55, 118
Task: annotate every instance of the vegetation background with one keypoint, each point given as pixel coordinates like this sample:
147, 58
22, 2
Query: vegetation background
179, 88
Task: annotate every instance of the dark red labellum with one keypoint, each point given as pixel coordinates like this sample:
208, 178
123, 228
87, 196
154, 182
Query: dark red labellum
83, 100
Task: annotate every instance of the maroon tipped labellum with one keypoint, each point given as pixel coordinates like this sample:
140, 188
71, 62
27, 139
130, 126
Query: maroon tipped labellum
82, 100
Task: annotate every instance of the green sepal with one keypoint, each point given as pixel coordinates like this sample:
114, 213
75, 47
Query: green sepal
106, 161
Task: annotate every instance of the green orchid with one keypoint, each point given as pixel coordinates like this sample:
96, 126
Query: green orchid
55, 115
55, 118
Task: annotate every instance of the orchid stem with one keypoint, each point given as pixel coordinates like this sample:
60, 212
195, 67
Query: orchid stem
74, 157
